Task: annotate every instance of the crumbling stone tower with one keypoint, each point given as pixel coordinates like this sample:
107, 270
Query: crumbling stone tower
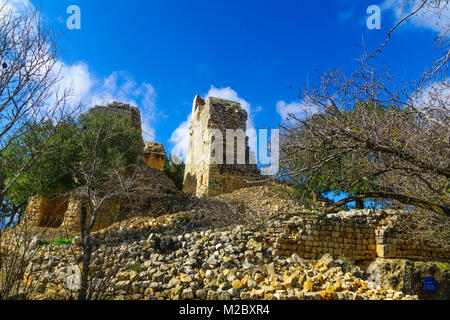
155, 155
204, 177
124, 109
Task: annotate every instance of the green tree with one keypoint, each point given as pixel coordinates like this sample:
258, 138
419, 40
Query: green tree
49, 175
174, 169
62, 169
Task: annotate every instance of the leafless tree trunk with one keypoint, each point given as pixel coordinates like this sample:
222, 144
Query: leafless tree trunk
30, 87
367, 133
30, 93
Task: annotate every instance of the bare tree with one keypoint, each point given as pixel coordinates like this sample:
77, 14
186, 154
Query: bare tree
31, 95
30, 90
110, 170
367, 136
412, 8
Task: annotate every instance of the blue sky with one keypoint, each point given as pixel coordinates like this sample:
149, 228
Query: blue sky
159, 54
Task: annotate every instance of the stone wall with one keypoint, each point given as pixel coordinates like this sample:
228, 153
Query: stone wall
359, 235
313, 238
62, 213
46, 213
204, 177
393, 244
155, 155
107, 215
165, 259
124, 109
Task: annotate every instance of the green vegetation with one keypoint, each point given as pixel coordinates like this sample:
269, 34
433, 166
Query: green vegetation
368, 151
60, 169
58, 242
136, 267
61, 241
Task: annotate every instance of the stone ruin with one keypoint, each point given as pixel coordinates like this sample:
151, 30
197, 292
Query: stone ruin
203, 176
360, 235
62, 212
124, 109
154, 155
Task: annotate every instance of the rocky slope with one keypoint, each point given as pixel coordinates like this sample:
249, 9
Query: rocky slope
159, 259
217, 250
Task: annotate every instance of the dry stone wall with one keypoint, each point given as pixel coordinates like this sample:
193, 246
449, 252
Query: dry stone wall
155, 155
361, 235
64, 214
124, 109
46, 213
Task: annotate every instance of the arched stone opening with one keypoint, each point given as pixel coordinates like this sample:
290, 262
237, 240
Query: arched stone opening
51, 212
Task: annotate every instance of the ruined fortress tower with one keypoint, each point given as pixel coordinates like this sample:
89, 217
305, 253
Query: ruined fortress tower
154, 153
63, 212
123, 109
203, 176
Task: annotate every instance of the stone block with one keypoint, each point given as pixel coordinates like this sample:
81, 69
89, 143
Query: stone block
385, 250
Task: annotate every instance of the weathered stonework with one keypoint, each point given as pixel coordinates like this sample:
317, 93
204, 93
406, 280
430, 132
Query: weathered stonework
360, 237
204, 177
63, 212
155, 155
124, 109
107, 215
46, 213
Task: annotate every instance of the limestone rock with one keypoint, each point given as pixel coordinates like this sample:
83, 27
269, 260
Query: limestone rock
407, 276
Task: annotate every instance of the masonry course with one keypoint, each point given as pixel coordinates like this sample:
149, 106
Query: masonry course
203, 175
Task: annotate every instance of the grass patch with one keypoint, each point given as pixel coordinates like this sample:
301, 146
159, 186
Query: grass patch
136, 267
59, 241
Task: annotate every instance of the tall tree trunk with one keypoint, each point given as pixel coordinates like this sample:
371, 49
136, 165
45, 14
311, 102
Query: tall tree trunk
359, 204
87, 253
2, 186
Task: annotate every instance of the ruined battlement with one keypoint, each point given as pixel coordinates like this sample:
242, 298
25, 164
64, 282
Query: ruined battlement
155, 155
123, 109
208, 173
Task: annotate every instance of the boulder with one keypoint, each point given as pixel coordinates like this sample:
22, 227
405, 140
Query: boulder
407, 276
332, 261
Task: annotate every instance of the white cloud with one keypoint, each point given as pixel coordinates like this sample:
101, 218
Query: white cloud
180, 137
435, 96
119, 86
430, 18
229, 94
75, 77
16, 4
300, 110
